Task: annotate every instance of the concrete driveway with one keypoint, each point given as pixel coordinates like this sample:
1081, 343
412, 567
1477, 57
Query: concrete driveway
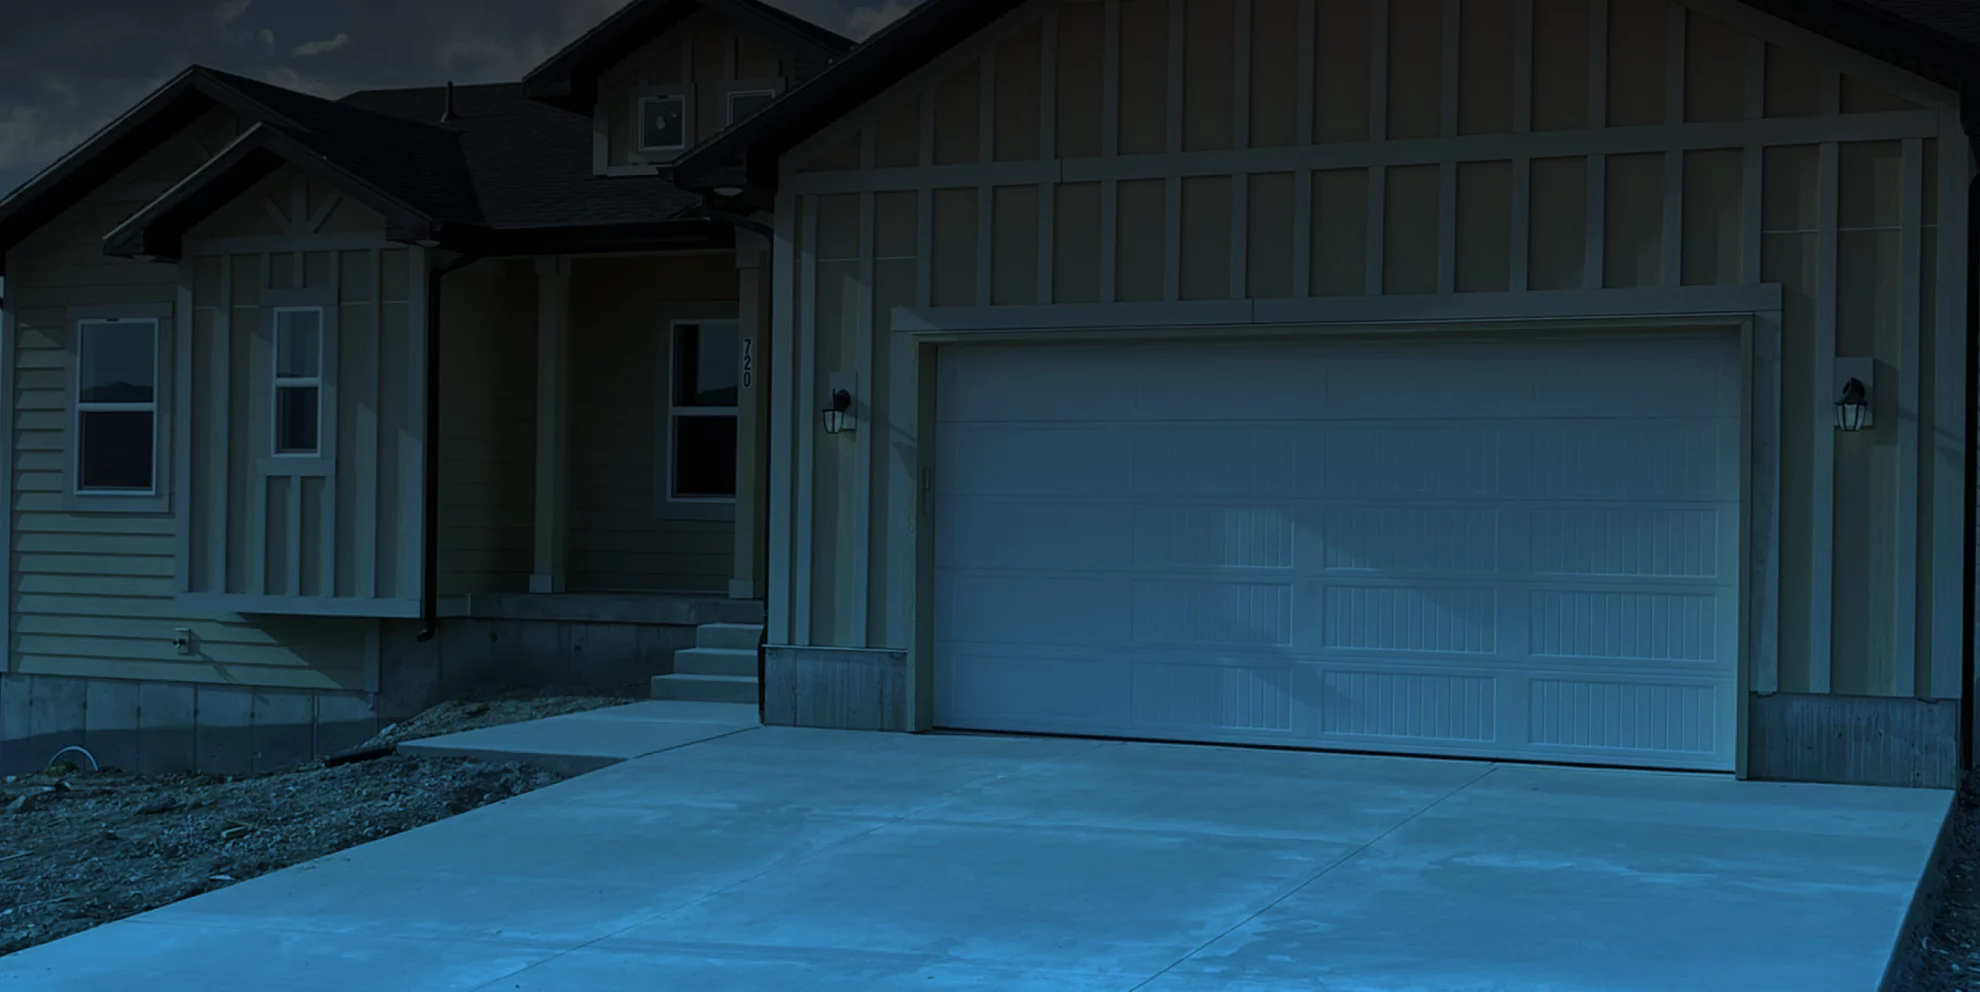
792, 859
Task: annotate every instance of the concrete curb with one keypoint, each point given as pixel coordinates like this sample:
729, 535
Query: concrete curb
1900, 972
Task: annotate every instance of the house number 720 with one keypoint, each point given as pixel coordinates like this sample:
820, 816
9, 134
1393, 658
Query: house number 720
748, 362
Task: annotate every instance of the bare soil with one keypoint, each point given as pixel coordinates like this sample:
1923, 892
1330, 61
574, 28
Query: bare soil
1945, 955
81, 848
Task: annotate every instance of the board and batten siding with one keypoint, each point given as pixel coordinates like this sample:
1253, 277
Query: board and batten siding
487, 427
93, 593
335, 535
1219, 163
625, 535
704, 58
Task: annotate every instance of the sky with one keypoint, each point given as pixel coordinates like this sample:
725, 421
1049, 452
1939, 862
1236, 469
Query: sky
67, 67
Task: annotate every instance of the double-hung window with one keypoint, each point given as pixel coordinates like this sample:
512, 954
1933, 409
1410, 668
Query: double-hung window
298, 420
116, 406
701, 412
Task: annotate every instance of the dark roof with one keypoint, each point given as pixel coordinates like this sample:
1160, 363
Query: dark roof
528, 164
570, 77
1938, 39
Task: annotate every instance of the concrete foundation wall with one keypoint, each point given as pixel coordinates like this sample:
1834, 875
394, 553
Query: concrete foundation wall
472, 655
1854, 740
165, 727
836, 688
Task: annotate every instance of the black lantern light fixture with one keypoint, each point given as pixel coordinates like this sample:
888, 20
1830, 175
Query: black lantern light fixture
838, 416
1853, 410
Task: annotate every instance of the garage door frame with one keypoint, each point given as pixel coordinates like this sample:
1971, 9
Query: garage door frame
1759, 333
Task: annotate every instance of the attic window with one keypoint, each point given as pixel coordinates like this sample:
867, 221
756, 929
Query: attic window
744, 104
298, 381
662, 123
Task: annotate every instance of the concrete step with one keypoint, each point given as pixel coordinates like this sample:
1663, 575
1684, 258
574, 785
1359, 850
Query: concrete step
716, 661
706, 688
738, 636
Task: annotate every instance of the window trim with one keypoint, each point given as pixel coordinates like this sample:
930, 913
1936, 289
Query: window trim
278, 382
668, 504
158, 498
639, 145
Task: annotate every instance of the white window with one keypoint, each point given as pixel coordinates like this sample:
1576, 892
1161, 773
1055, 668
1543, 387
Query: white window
116, 407
298, 420
701, 412
662, 123
744, 104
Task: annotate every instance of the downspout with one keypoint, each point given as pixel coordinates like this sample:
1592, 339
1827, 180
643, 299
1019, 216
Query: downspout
429, 536
1969, 119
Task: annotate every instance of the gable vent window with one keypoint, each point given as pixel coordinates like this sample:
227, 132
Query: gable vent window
298, 381
662, 123
116, 407
744, 104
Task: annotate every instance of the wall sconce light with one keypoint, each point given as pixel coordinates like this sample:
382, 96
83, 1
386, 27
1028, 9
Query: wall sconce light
1853, 394
838, 415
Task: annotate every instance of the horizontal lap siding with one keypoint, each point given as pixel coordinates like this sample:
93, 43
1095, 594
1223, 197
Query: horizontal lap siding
488, 428
623, 536
1383, 146
93, 593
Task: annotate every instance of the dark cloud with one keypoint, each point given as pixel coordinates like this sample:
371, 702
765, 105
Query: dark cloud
68, 68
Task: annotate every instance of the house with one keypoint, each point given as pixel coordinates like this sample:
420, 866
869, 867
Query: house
1448, 377
327, 410
1423, 376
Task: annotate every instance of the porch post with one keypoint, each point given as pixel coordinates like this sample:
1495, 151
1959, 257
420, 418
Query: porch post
553, 349
751, 418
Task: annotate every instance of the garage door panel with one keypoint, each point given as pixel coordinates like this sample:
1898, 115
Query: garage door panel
1214, 536
1259, 381
1636, 541
1444, 460
1410, 618
1658, 460
1419, 706
1034, 460
1009, 385
1514, 572
1212, 612
994, 532
1407, 539
1214, 461
1030, 608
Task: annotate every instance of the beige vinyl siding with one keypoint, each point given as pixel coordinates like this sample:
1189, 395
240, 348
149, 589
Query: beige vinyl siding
487, 427
93, 593
1432, 192
624, 535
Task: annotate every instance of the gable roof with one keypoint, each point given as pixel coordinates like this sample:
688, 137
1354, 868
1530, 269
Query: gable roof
1937, 39
570, 78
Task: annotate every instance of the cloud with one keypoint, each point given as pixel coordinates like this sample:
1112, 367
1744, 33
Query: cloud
323, 47
863, 22
230, 11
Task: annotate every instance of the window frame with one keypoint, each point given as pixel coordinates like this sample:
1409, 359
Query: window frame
156, 499
667, 503
639, 146
278, 382
729, 101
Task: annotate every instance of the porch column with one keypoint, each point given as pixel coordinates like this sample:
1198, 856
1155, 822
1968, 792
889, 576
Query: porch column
752, 419
553, 418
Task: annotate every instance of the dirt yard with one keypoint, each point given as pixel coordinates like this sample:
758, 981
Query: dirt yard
1946, 957
81, 848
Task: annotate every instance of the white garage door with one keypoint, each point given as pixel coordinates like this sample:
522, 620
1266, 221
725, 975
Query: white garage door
1520, 547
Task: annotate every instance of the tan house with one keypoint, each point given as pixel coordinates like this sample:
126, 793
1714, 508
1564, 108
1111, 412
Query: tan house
1565, 380
1559, 380
325, 410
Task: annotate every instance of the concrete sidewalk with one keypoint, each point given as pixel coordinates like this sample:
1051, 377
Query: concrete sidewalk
576, 743
780, 859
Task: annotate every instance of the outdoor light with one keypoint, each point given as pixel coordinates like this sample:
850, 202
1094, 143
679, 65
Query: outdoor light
1853, 410
838, 416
